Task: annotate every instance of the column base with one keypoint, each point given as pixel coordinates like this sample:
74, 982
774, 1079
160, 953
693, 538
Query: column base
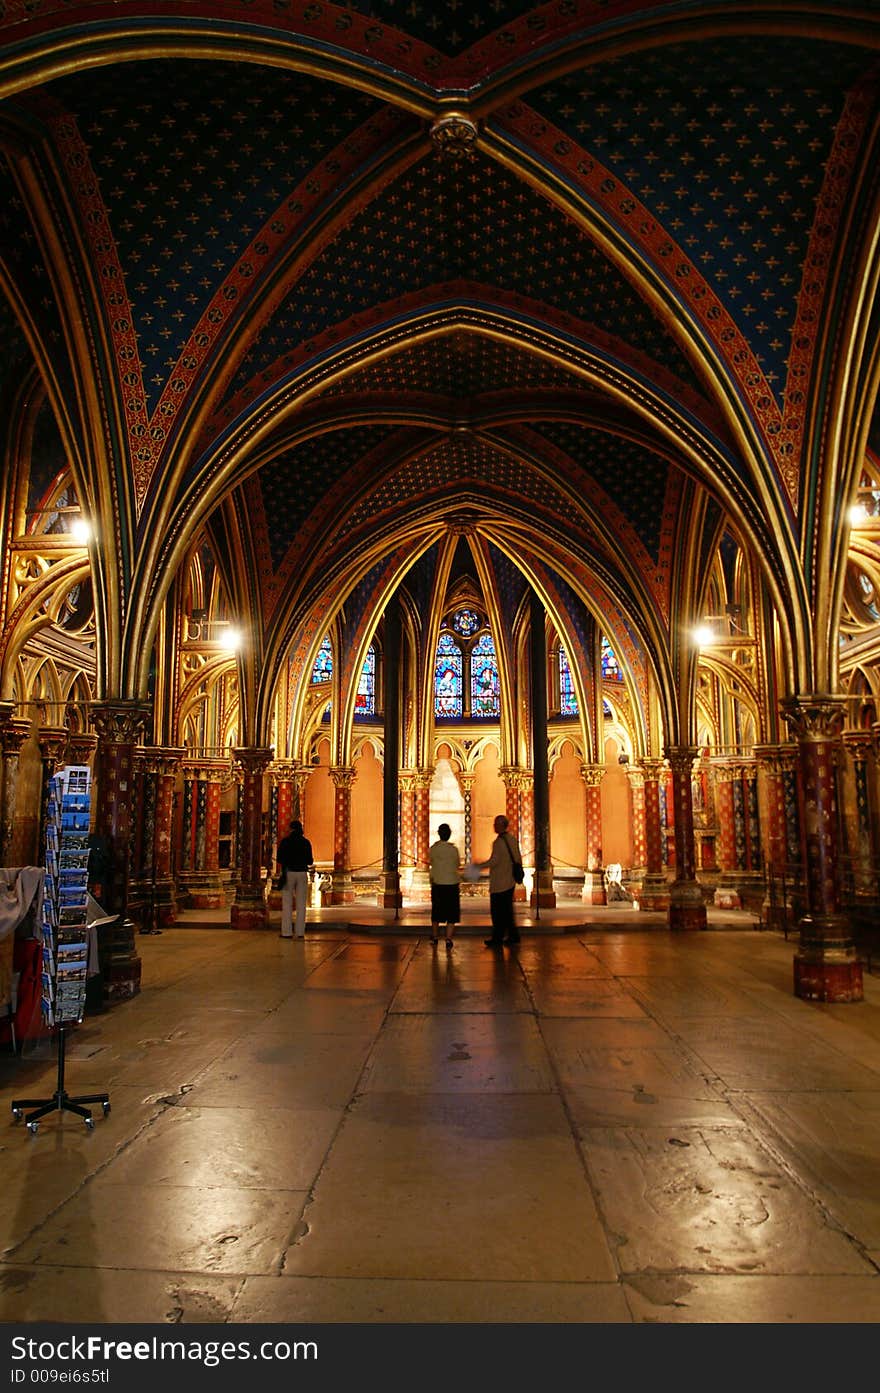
249, 910
654, 893
389, 896
825, 965
543, 895
686, 908
342, 891
420, 887
594, 888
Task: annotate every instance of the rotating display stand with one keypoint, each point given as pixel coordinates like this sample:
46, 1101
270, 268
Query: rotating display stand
65, 935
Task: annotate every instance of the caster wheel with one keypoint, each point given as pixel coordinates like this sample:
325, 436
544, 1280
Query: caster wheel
17, 1114
90, 1123
33, 1128
106, 1107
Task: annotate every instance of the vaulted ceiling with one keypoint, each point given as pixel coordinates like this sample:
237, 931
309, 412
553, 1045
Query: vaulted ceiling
335, 279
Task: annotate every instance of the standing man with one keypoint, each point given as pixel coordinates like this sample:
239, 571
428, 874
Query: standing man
296, 860
505, 854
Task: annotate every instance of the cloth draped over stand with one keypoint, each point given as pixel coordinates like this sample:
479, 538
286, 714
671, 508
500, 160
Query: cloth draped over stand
21, 904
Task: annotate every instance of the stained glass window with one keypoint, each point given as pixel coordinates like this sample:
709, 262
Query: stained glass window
465, 622
610, 665
323, 669
365, 701
568, 702
447, 678
485, 686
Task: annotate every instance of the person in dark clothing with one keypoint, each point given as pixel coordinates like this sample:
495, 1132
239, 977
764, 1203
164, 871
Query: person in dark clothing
295, 860
505, 852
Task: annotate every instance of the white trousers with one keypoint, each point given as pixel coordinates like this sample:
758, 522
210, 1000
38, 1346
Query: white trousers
296, 887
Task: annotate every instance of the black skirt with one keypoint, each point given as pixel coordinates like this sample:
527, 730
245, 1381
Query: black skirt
445, 904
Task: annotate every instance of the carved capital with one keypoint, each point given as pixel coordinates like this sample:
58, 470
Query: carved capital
776, 759
819, 716
343, 777
593, 774
254, 759
120, 722
653, 769
52, 741
13, 735
681, 759
859, 744
636, 776
283, 771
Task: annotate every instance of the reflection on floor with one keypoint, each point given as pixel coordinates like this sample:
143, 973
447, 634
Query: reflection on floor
610, 1124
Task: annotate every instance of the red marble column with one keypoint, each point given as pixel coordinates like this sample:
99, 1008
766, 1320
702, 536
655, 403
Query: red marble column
406, 782
826, 967
636, 779
519, 809
686, 907
164, 762
594, 876
773, 761
249, 910
655, 885
725, 776
420, 884
343, 888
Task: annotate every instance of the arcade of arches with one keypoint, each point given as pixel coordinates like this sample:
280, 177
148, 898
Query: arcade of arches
385, 410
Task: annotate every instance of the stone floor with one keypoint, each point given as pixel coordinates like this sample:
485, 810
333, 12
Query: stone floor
612, 1124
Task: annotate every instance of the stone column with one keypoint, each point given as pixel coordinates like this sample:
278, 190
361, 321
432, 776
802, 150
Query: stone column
343, 888
249, 910
200, 872
772, 763
655, 885
13, 734
636, 779
53, 745
826, 967
519, 811
389, 893
726, 776
119, 725
162, 764
594, 876
407, 785
543, 892
282, 775
420, 885
466, 784
686, 907
859, 745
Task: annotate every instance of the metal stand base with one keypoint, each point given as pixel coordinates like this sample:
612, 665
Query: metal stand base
60, 1101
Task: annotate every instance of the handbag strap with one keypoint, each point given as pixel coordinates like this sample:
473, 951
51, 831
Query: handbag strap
509, 852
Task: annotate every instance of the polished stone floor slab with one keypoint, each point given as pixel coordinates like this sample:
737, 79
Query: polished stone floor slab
700, 1199
457, 1053
583, 996
162, 1227
699, 1299
470, 1187
249, 1148
614, 1059
399, 1302
113, 1295
354, 1130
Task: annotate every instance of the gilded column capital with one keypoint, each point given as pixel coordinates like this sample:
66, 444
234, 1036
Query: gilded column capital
859, 743
343, 777
635, 776
162, 759
653, 769
13, 734
52, 741
421, 779
283, 771
513, 777
120, 722
593, 774
776, 759
681, 758
818, 716
465, 780
254, 759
